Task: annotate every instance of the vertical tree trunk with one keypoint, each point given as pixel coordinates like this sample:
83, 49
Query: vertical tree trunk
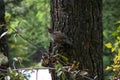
81, 21
3, 36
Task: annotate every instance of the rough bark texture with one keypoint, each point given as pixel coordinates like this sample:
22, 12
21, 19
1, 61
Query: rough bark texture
81, 21
3, 39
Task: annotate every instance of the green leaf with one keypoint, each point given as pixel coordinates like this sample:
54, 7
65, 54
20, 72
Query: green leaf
108, 45
118, 22
9, 71
63, 57
63, 76
118, 28
7, 17
59, 73
58, 66
115, 33
113, 49
118, 37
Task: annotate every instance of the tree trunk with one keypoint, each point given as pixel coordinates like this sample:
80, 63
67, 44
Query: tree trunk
3, 36
81, 21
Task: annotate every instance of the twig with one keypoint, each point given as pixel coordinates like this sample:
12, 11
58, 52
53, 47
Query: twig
14, 65
3, 70
24, 38
34, 68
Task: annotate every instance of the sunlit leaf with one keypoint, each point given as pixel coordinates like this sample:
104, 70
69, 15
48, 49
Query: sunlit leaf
108, 45
59, 73
115, 33
113, 49
108, 68
118, 37
115, 67
118, 22
7, 17
115, 59
119, 52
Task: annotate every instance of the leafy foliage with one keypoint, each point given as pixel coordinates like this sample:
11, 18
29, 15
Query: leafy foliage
111, 14
64, 68
27, 21
3, 59
15, 75
115, 48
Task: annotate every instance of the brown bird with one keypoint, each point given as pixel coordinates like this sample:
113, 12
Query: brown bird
58, 37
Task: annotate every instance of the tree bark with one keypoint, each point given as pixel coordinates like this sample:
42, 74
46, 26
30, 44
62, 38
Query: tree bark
81, 21
3, 38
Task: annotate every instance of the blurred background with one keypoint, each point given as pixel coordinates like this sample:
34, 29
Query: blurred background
27, 21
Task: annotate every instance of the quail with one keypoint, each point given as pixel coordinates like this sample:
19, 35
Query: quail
58, 37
